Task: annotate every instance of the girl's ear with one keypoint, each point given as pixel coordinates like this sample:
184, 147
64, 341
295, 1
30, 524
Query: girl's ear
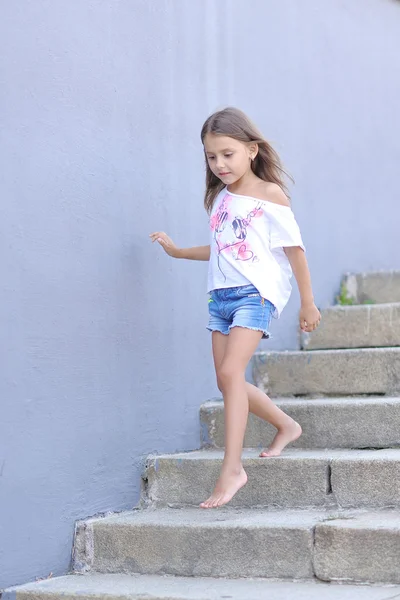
253, 149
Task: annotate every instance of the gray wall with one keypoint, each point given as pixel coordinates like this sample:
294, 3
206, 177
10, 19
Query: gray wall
105, 356
325, 89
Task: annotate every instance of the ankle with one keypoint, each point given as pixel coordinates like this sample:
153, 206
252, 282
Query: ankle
232, 469
289, 423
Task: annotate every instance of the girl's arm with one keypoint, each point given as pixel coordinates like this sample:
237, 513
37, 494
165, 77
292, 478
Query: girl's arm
310, 316
195, 253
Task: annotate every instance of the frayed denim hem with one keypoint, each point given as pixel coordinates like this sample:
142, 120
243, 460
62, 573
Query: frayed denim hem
219, 331
266, 334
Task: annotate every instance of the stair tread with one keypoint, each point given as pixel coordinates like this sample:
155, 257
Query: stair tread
248, 518
252, 454
333, 351
327, 401
159, 587
352, 307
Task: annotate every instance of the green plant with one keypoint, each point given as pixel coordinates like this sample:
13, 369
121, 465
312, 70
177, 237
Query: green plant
343, 298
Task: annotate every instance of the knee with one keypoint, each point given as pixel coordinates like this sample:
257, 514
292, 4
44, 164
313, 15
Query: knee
228, 374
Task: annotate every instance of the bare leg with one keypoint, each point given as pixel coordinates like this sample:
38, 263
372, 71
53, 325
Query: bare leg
262, 406
239, 348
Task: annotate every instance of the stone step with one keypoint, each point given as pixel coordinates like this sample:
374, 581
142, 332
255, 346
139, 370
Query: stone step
376, 325
153, 587
354, 545
194, 542
296, 479
326, 423
329, 372
379, 287
366, 548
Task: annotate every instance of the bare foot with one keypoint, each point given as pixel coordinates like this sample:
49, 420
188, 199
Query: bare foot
283, 438
226, 487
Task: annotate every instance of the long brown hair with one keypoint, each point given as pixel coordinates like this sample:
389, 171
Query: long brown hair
233, 123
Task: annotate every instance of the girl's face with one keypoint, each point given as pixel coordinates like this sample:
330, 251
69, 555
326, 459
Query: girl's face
228, 158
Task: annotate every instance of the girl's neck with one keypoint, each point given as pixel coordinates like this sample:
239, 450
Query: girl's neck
245, 183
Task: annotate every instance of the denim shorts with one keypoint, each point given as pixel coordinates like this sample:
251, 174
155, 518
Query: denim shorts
241, 306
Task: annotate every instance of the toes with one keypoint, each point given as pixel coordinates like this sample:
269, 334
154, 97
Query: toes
205, 504
269, 454
208, 503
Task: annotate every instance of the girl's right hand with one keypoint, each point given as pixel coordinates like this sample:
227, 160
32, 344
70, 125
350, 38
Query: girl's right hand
162, 238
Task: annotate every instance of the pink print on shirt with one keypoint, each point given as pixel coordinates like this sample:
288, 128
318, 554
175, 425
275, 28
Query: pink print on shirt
230, 233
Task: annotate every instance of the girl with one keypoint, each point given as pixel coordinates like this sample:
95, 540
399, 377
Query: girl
255, 245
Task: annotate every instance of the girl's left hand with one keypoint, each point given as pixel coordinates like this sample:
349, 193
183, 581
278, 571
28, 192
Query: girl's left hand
310, 317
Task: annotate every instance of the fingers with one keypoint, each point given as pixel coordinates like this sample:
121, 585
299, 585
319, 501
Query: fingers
309, 320
156, 236
160, 237
309, 327
165, 242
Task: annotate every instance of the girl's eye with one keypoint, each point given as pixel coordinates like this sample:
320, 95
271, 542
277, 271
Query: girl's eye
211, 158
228, 155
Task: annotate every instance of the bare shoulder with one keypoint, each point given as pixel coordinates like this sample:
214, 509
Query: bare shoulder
272, 192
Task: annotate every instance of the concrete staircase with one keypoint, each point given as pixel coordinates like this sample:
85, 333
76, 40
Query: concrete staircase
311, 523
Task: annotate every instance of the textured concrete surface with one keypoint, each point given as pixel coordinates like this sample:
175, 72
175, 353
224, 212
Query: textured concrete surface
196, 542
380, 287
356, 544
148, 587
367, 478
326, 423
366, 548
298, 478
336, 372
356, 327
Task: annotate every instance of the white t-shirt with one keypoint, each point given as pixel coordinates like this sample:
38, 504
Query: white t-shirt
247, 237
